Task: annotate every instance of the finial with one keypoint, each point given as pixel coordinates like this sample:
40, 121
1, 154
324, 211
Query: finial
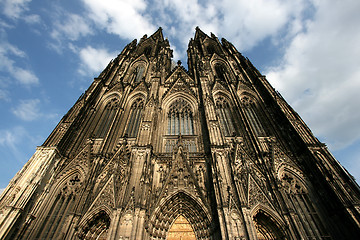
179, 63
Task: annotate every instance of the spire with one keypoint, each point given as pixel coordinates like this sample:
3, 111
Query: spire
199, 33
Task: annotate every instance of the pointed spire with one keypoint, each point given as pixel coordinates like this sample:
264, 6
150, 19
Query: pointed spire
199, 33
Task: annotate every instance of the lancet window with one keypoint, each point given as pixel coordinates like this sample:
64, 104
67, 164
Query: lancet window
136, 111
180, 118
223, 113
107, 118
298, 201
251, 113
60, 207
220, 71
139, 73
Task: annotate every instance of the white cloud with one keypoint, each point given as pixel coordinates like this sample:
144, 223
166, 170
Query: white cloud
320, 74
72, 27
15, 8
28, 110
126, 18
94, 60
8, 54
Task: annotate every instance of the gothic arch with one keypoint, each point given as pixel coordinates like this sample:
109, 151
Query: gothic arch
218, 62
188, 120
225, 114
168, 100
251, 109
107, 110
58, 203
180, 203
268, 224
294, 172
134, 110
94, 224
297, 195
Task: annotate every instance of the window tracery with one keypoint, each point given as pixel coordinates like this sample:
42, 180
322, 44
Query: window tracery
252, 115
107, 118
299, 201
180, 118
135, 118
60, 207
224, 115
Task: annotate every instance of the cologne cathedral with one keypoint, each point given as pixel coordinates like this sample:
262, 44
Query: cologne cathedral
153, 150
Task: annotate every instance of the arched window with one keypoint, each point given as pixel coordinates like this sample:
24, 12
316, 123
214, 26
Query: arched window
220, 71
107, 118
299, 202
135, 117
251, 113
180, 118
139, 73
224, 115
62, 204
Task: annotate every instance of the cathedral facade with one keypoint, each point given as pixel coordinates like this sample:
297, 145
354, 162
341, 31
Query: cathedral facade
154, 151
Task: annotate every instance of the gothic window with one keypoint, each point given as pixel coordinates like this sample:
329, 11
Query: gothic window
223, 113
106, 119
135, 117
251, 113
298, 201
180, 119
139, 73
220, 71
60, 207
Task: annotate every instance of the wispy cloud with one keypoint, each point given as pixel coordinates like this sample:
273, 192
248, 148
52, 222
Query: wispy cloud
17, 9
11, 139
28, 110
8, 54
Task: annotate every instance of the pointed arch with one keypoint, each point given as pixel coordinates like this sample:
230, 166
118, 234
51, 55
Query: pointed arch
298, 199
225, 115
108, 112
250, 108
138, 71
95, 225
269, 226
177, 204
221, 70
59, 203
180, 118
135, 116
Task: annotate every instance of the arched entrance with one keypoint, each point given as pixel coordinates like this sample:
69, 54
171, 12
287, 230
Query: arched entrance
181, 230
180, 210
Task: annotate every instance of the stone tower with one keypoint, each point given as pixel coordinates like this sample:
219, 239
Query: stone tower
155, 151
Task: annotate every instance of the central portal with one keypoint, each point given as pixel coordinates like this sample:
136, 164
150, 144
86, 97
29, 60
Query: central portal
181, 230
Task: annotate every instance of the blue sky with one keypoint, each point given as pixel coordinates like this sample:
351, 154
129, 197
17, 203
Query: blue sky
50, 51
